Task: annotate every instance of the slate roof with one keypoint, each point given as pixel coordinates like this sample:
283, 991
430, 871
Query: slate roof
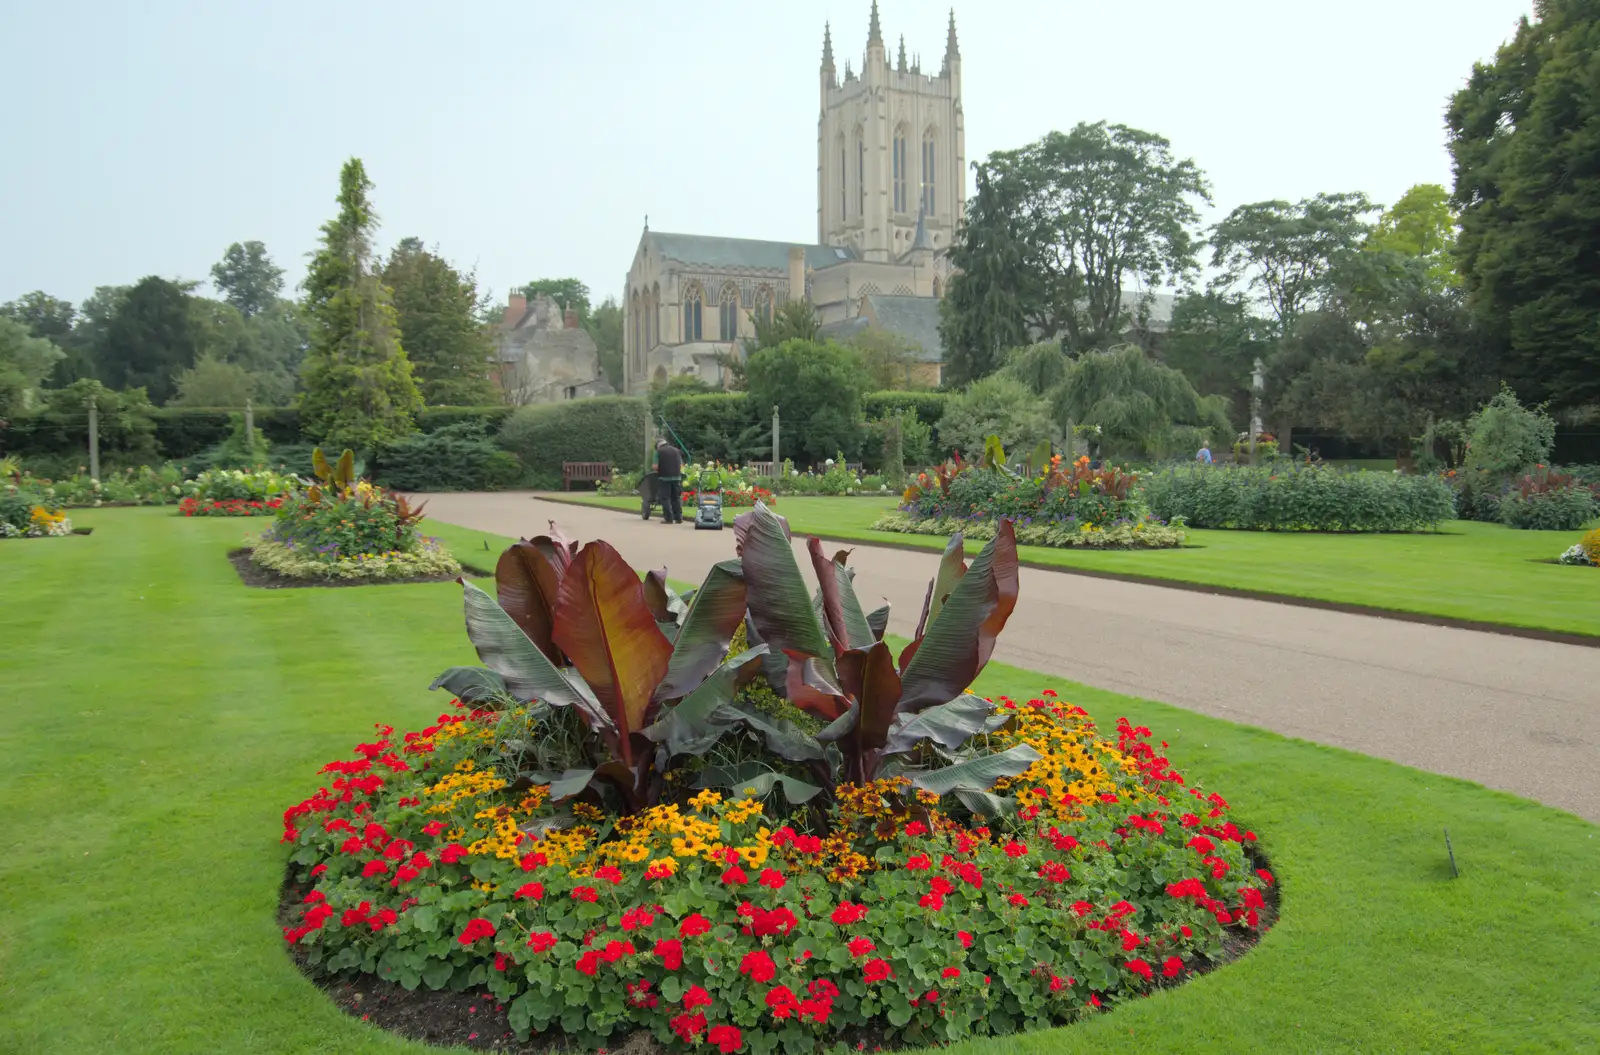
741, 252
914, 318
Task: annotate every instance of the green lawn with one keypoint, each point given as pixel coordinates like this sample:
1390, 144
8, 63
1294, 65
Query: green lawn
1481, 572
158, 716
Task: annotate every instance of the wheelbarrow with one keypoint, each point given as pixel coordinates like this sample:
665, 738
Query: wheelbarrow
650, 495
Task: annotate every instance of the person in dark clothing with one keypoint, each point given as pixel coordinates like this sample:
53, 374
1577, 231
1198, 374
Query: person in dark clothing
668, 466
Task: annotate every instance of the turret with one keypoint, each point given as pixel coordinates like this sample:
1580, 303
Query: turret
877, 60
952, 55
828, 78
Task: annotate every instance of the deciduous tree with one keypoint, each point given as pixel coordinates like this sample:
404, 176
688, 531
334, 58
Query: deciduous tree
150, 340
605, 326
247, 278
1525, 144
436, 305
817, 387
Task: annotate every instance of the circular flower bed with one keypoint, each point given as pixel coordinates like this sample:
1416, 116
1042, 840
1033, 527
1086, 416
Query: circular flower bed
26, 513
1585, 553
344, 529
604, 860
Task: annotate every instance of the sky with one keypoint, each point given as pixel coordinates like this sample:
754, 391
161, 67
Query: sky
530, 140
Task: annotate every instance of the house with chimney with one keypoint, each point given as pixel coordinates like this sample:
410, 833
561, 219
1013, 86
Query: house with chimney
544, 355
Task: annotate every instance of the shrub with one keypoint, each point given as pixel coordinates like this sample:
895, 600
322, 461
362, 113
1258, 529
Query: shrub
237, 493
1504, 436
134, 487
1547, 501
995, 406
602, 429
1586, 552
565, 844
719, 426
492, 418
1073, 494
457, 457
344, 528
817, 387
1289, 496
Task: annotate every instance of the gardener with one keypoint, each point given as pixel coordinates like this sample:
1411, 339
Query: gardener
1204, 457
668, 466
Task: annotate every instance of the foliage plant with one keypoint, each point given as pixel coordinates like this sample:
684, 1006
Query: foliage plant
458, 457
603, 429
1505, 437
134, 487
1545, 500
1290, 496
893, 856
817, 386
344, 528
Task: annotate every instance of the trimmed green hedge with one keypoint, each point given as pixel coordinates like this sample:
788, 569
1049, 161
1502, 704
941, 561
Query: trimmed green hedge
929, 406
1287, 496
458, 457
602, 429
432, 419
712, 425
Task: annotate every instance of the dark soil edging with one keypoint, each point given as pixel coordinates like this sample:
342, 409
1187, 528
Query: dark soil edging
472, 1019
252, 574
1562, 637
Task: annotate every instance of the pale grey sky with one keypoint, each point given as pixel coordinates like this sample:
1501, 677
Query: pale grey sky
529, 139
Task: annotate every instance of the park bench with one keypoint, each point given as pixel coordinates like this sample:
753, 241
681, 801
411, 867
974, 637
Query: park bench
762, 468
584, 472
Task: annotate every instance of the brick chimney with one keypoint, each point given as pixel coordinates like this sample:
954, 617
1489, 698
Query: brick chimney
569, 318
516, 307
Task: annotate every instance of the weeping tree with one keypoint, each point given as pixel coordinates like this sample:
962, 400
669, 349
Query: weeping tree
1142, 408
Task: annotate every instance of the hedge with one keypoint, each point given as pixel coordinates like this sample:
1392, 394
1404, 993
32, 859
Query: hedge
601, 429
929, 406
710, 424
1286, 496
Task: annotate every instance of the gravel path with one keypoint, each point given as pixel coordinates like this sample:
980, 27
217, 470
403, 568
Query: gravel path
1512, 713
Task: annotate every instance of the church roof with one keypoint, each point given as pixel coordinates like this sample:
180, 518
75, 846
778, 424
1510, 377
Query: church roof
914, 318
754, 253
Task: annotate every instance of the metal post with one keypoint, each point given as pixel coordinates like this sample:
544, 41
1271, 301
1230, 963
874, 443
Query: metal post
249, 426
777, 459
94, 435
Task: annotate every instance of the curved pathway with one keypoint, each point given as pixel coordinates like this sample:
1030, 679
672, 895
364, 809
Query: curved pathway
1512, 713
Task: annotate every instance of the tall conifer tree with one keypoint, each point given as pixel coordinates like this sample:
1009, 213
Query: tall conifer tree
359, 392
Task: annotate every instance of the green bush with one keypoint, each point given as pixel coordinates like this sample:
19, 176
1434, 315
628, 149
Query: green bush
602, 429
929, 407
718, 426
432, 419
1548, 501
996, 406
1506, 437
1294, 497
457, 457
817, 387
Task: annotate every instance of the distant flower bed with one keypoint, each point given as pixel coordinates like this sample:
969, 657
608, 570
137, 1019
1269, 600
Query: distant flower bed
31, 514
246, 485
1586, 553
143, 486
229, 507
742, 498
1145, 533
344, 528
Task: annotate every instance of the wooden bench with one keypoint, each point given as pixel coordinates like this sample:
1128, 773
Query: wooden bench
762, 468
584, 472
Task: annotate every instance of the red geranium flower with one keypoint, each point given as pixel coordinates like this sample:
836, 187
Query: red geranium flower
1016, 849
725, 1039
637, 918
452, 853
877, 970
1140, 968
585, 893
950, 972
1018, 900
966, 938
859, 947
670, 952
734, 876
589, 963
782, 1002
758, 965
530, 890
475, 929
541, 941
919, 863
847, 914
693, 924
433, 828
696, 997
1172, 967
772, 879
932, 901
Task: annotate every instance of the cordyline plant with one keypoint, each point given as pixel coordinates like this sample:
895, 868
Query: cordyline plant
577, 635
338, 481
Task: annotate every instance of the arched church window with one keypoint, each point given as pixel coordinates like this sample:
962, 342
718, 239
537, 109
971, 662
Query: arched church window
693, 308
765, 301
638, 329
900, 169
844, 189
729, 312
652, 317
927, 171
861, 172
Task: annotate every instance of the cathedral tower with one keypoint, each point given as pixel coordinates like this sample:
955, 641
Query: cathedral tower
890, 150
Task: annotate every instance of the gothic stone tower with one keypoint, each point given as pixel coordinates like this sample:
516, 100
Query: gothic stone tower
890, 149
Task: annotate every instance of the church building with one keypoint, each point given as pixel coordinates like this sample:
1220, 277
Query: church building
891, 190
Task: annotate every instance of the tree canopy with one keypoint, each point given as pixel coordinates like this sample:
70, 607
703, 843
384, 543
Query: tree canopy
817, 387
436, 306
1525, 146
247, 278
150, 339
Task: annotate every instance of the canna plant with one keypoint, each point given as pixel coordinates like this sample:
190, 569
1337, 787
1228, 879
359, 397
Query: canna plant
629, 687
